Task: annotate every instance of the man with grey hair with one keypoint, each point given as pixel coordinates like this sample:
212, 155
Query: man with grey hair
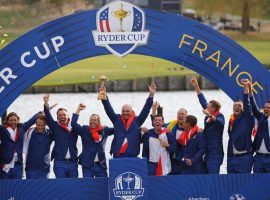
126, 142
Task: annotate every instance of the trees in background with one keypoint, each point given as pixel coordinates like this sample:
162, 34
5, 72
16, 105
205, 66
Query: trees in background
245, 8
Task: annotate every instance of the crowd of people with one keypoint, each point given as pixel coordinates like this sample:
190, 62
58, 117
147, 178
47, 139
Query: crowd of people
173, 148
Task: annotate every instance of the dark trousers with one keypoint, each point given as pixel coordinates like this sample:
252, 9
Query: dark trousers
239, 164
36, 174
65, 169
195, 168
152, 168
14, 173
213, 163
176, 167
97, 170
261, 164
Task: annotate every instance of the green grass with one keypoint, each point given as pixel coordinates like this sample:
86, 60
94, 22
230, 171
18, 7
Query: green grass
259, 49
129, 67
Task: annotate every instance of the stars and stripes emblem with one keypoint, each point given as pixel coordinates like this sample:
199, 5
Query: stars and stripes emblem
104, 21
120, 28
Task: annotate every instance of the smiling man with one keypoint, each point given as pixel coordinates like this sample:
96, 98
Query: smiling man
65, 150
261, 142
127, 126
94, 137
240, 130
157, 146
176, 127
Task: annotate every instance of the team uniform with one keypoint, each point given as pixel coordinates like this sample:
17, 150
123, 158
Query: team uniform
193, 147
37, 153
213, 131
240, 159
65, 151
11, 149
92, 158
127, 133
158, 157
261, 142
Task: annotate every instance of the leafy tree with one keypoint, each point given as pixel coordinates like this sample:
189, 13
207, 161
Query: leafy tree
244, 8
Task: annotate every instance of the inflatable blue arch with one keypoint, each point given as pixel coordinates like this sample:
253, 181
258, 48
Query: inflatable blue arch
158, 34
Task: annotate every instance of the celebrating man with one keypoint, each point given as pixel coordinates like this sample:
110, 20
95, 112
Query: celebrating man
126, 142
240, 130
94, 138
65, 150
213, 130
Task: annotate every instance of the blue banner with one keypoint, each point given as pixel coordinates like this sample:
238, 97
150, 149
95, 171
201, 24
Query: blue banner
129, 181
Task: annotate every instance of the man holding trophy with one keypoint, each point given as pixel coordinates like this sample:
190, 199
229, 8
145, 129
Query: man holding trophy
127, 125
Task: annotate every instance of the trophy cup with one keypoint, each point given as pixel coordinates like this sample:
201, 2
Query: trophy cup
121, 14
102, 92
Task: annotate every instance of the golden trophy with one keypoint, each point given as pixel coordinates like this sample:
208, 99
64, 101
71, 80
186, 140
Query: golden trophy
121, 14
102, 91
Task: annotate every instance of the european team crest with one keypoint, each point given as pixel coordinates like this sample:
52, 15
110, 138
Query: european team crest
120, 28
128, 186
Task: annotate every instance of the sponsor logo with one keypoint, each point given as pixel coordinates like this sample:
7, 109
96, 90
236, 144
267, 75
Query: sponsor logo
237, 197
120, 28
128, 186
198, 198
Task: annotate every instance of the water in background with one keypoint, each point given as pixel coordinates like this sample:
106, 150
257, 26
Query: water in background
27, 105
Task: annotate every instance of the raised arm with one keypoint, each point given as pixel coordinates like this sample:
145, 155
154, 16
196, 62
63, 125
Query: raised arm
74, 121
108, 131
108, 107
49, 119
148, 104
197, 88
255, 109
246, 102
26, 125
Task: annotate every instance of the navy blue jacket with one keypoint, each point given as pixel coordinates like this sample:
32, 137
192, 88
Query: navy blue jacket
63, 139
213, 131
133, 134
151, 133
240, 135
195, 148
39, 146
89, 147
8, 146
262, 131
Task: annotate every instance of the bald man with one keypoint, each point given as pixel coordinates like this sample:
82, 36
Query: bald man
127, 125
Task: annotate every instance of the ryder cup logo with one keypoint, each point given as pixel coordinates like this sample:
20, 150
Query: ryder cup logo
120, 28
237, 197
128, 186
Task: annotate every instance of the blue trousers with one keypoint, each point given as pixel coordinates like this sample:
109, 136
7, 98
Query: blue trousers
36, 174
176, 167
14, 173
65, 169
241, 164
97, 170
261, 164
152, 169
195, 168
212, 163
